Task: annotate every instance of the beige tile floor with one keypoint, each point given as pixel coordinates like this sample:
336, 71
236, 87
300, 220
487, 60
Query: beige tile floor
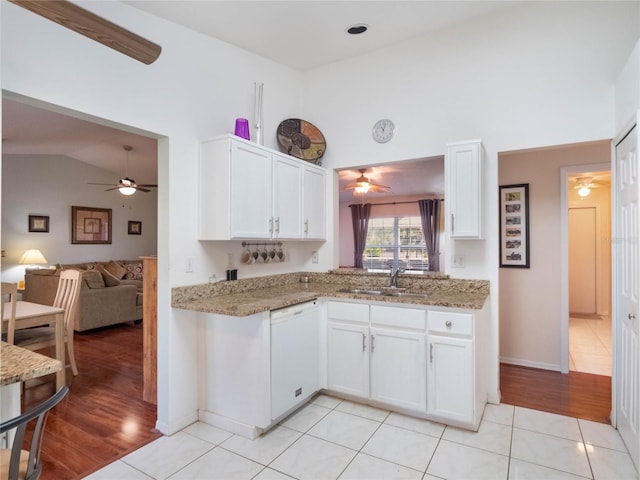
331, 439
590, 345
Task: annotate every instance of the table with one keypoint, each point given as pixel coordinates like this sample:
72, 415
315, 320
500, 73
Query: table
18, 364
35, 315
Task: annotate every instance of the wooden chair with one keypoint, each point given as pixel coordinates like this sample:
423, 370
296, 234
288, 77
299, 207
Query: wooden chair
19, 464
66, 298
10, 289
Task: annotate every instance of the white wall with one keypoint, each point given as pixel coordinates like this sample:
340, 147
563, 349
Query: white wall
50, 185
536, 74
194, 90
531, 299
627, 91
533, 75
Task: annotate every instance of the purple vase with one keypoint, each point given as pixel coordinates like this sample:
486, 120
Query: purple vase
242, 128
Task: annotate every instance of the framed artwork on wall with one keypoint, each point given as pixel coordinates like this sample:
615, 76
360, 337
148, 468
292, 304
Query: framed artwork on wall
514, 226
134, 228
90, 225
39, 223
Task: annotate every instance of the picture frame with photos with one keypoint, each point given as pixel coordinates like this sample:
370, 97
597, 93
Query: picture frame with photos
39, 223
134, 227
514, 226
90, 225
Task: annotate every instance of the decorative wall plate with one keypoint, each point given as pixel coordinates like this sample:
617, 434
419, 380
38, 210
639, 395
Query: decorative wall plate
301, 139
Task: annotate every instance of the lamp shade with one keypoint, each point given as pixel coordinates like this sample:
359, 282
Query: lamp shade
32, 257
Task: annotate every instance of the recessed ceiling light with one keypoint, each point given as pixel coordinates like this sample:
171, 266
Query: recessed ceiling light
356, 29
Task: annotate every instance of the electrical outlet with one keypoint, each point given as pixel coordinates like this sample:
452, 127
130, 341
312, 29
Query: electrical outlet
315, 258
457, 261
188, 265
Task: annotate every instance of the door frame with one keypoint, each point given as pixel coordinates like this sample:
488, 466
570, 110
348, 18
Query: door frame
565, 173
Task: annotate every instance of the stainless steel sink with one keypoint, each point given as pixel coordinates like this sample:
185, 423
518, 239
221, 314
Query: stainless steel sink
362, 291
406, 294
384, 293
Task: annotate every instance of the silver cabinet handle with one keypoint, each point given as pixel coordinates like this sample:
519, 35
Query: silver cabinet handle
364, 342
448, 323
373, 347
271, 225
452, 224
278, 225
306, 227
631, 316
431, 353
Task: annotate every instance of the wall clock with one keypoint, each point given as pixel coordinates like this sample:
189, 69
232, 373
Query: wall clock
383, 130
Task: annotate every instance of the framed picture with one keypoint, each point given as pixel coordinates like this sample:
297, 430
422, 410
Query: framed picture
90, 225
514, 226
39, 223
134, 228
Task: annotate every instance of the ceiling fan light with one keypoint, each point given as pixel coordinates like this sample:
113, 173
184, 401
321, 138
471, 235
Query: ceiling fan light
362, 188
583, 191
127, 190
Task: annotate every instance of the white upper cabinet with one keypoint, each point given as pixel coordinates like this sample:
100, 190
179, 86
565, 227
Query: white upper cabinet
247, 191
314, 203
464, 190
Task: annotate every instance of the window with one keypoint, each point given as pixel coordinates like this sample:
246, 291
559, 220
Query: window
397, 242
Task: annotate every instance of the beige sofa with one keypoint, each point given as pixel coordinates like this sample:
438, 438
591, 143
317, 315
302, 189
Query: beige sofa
105, 298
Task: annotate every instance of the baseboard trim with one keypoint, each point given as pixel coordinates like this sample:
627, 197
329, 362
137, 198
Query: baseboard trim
526, 363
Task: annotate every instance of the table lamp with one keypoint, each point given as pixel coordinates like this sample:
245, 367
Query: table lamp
30, 257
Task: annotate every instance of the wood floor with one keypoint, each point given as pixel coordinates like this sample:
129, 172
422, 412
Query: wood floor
103, 418
575, 394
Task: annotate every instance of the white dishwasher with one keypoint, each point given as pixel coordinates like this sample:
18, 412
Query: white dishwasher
295, 356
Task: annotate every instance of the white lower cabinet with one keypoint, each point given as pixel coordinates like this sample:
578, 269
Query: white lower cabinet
377, 354
456, 382
348, 358
398, 368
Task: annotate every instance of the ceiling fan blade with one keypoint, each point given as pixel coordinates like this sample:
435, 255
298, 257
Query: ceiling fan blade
148, 185
111, 189
94, 27
142, 189
378, 188
92, 183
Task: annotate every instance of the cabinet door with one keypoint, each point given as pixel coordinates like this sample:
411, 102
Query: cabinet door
314, 204
348, 358
250, 206
399, 368
464, 190
287, 198
450, 380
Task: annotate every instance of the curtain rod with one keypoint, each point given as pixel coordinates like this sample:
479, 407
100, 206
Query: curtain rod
399, 203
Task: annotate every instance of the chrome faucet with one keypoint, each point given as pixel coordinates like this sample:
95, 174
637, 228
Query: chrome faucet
393, 279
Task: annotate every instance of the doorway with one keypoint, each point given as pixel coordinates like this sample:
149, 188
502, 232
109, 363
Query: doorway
589, 272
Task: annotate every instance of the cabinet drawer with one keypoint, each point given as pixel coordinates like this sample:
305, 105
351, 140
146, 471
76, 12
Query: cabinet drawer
352, 312
398, 317
450, 323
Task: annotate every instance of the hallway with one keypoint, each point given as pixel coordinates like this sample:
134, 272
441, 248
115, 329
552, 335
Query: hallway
590, 344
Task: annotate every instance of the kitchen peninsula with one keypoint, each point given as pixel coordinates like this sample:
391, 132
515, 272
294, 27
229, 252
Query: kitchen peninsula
419, 349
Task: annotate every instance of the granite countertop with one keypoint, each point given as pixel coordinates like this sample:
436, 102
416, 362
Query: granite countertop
250, 296
19, 364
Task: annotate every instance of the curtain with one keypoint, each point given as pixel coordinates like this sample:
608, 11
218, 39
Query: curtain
430, 217
360, 218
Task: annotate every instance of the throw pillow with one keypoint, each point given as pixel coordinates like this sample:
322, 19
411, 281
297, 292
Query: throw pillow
109, 278
115, 269
93, 279
134, 271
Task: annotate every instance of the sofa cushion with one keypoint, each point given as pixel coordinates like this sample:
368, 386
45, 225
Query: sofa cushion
134, 271
93, 279
115, 269
110, 280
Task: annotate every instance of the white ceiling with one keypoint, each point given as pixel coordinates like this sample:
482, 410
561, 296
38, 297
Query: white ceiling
306, 34
302, 34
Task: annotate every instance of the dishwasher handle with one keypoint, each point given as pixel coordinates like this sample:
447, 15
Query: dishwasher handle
287, 313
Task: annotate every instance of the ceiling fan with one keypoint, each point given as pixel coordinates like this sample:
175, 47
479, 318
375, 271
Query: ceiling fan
126, 185
363, 185
584, 185
96, 28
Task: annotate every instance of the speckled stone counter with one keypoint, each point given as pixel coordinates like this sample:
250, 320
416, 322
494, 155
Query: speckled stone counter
19, 364
259, 294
